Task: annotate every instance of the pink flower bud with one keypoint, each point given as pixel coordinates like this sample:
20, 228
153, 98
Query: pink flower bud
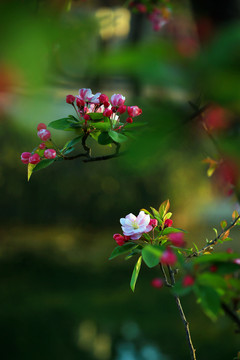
106, 104
129, 120
229, 250
86, 117
25, 157
213, 268
141, 8
120, 240
168, 223
177, 239
42, 146
103, 98
134, 111
41, 126
80, 103
236, 261
188, 280
34, 159
44, 134
50, 154
70, 99
153, 223
168, 257
157, 283
122, 109
107, 112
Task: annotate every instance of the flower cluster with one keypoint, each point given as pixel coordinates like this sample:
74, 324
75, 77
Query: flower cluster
107, 121
158, 12
87, 103
42, 151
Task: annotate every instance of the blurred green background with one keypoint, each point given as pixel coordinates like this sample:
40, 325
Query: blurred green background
60, 296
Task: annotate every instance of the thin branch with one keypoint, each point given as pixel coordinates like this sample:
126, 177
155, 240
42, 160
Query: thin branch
214, 241
183, 317
165, 276
233, 316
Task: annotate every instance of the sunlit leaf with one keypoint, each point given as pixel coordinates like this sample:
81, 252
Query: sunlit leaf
118, 137
121, 250
135, 273
151, 255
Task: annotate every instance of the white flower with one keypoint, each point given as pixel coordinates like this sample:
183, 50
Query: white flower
135, 226
95, 98
85, 94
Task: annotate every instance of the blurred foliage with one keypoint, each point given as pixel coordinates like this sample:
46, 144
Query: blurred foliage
49, 225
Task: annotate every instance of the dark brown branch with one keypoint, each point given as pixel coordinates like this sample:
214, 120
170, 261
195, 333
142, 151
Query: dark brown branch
165, 276
232, 315
214, 241
183, 317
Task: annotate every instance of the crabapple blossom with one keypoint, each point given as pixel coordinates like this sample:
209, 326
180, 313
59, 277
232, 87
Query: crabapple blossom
25, 157
50, 154
129, 120
95, 98
134, 111
86, 117
41, 126
44, 134
34, 159
70, 99
135, 226
85, 94
117, 100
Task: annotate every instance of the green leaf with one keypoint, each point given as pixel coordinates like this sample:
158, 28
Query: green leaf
213, 280
95, 135
61, 124
101, 125
121, 250
30, 170
179, 290
72, 142
104, 139
71, 117
43, 164
96, 116
118, 137
164, 207
209, 299
156, 214
135, 273
223, 224
151, 255
170, 230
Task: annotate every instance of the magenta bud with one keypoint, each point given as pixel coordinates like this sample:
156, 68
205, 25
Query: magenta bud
177, 239
153, 223
168, 257
103, 98
41, 126
129, 120
44, 134
157, 283
34, 159
168, 223
25, 157
70, 99
80, 103
50, 154
122, 109
188, 280
120, 239
86, 117
107, 112
42, 146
